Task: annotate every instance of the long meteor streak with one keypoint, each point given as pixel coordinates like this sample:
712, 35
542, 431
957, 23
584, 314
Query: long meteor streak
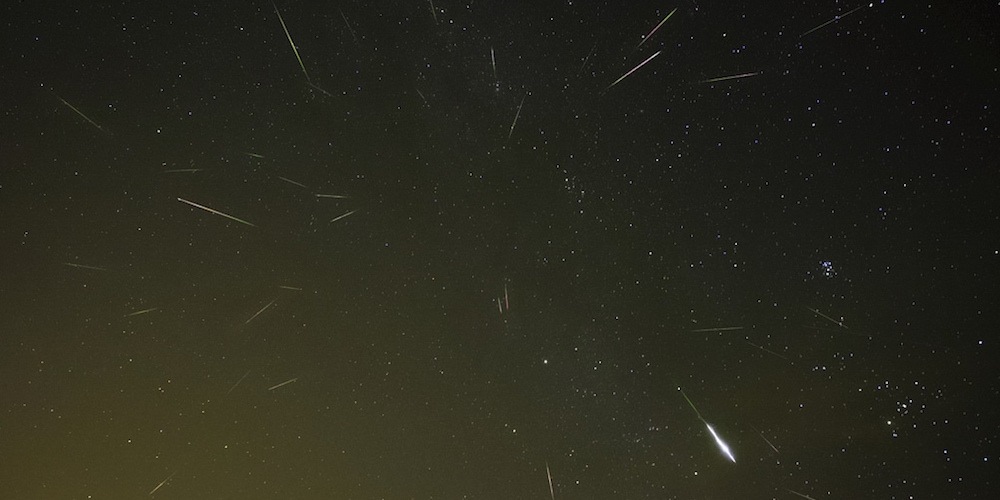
650, 58
290, 42
731, 77
718, 441
721, 329
216, 212
516, 115
85, 117
831, 21
656, 28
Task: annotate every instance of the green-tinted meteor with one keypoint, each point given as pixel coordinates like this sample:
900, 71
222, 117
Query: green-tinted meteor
85, 117
290, 42
692, 406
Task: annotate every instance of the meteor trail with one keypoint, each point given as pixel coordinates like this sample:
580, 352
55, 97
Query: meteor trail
831, 21
650, 58
718, 441
656, 28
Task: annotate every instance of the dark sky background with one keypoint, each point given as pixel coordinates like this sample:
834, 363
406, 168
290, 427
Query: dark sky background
524, 266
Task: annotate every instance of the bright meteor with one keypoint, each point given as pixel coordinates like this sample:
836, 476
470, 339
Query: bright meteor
722, 445
718, 441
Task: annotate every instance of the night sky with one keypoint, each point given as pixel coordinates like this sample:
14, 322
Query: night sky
441, 250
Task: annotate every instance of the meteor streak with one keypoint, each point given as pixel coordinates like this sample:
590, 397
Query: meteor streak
290, 42
718, 441
656, 28
650, 58
831, 21
731, 77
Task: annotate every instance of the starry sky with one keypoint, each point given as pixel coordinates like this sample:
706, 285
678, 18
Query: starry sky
429, 250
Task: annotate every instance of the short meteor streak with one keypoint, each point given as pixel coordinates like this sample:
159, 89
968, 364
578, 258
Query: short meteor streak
433, 11
273, 387
161, 484
807, 497
585, 59
767, 350
216, 212
144, 311
656, 28
349, 28
493, 60
718, 441
269, 304
552, 492
732, 77
839, 323
238, 382
335, 219
84, 266
765, 439
313, 85
632, 70
299, 184
516, 115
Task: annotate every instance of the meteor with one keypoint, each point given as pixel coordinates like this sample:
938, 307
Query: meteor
718, 441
